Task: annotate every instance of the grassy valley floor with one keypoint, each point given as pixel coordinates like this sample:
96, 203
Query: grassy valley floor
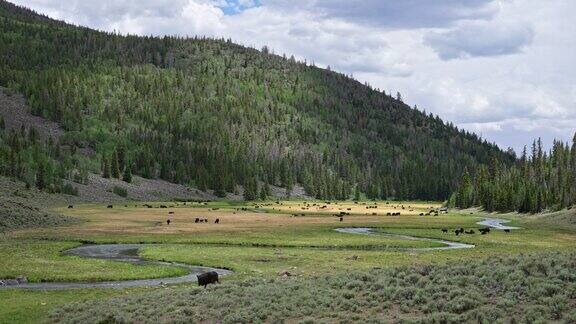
297, 239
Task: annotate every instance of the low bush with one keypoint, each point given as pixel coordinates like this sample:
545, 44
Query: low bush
481, 291
122, 192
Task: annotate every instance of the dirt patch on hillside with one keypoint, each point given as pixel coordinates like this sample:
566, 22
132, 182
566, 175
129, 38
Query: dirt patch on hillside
100, 189
14, 110
21, 207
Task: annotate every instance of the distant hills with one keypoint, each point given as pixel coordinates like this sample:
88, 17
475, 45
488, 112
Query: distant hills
215, 115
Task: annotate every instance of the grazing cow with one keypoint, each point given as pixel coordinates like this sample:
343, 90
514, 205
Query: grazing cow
444, 230
388, 214
217, 221
163, 206
421, 214
205, 220
207, 278
341, 219
484, 230
374, 214
168, 222
197, 220
110, 206
171, 213
507, 230
470, 232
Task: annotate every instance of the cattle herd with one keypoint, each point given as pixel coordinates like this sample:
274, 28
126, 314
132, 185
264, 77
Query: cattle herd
483, 231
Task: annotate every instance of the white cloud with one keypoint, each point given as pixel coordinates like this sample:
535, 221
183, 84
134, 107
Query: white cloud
471, 39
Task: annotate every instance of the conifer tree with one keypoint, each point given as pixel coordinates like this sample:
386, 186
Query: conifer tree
115, 166
105, 168
127, 176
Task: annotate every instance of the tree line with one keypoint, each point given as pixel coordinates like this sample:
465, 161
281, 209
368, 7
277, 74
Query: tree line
538, 181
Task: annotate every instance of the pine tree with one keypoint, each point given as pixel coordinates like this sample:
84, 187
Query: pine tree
357, 193
105, 168
251, 189
127, 176
41, 177
265, 191
115, 166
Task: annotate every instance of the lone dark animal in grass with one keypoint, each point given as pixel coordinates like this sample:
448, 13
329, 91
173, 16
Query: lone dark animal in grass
110, 206
507, 230
171, 213
70, 206
168, 222
341, 219
444, 230
217, 221
207, 278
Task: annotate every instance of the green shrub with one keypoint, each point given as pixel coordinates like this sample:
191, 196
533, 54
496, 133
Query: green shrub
69, 189
122, 192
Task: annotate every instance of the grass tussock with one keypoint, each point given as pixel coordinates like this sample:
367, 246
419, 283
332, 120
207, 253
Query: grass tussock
524, 288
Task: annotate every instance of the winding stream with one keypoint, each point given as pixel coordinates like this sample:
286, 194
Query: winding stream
129, 253
119, 252
495, 223
370, 231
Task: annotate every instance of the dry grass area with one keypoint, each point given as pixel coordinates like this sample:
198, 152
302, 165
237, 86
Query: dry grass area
136, 219
358, 208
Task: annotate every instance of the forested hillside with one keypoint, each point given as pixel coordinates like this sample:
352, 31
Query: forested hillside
215, 115
537, 182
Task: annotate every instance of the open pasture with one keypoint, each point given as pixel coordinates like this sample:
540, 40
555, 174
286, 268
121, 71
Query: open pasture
268, 240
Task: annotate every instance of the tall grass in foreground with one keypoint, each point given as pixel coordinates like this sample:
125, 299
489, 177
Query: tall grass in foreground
526, 288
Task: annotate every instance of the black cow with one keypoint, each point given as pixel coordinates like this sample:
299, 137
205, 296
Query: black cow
70, 206
217, 221
197, 220
110, 206
507, 230
341, 219
207, 278
171, 213
168, 222
484, 230
444, 230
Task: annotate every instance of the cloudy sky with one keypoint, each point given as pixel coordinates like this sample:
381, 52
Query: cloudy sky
505, 69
